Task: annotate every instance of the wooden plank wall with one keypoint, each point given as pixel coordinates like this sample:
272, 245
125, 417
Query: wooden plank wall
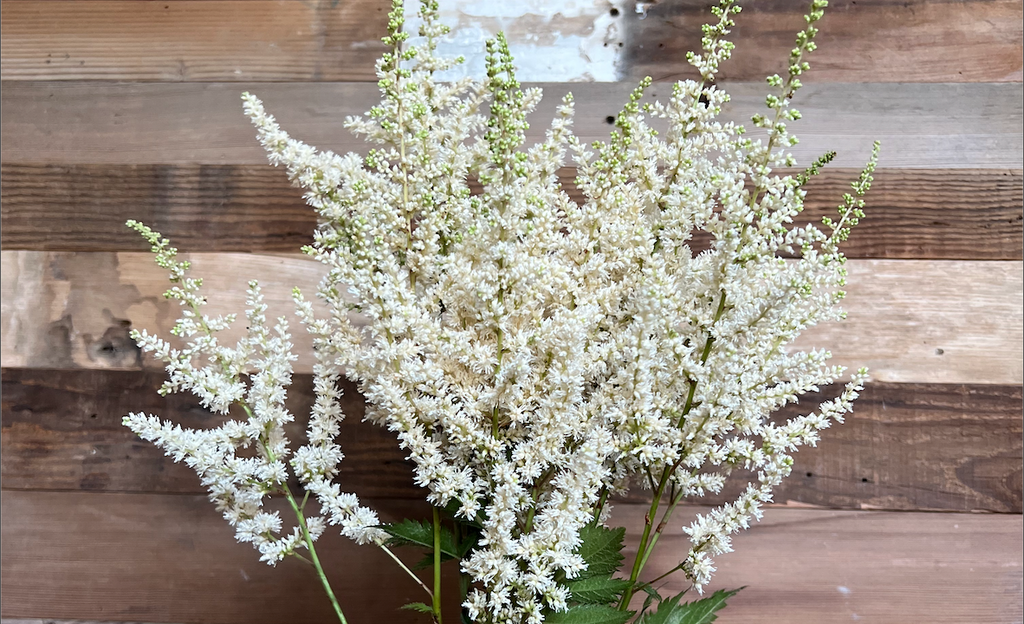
911, 512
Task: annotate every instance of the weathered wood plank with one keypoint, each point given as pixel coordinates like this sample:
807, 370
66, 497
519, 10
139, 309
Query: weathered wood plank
287, 41
829, 567
961, 214
170, 558
164, 558
879, 41
909, 320
193, 41
921, 126
906, 446
62, 431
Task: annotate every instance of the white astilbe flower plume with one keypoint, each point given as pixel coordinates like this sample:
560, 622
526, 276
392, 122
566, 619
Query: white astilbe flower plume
534, 354
239, 483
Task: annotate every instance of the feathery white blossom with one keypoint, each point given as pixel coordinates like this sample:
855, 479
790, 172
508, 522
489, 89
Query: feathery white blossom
532, 353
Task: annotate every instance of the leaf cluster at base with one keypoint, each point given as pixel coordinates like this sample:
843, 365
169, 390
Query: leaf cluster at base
595, 592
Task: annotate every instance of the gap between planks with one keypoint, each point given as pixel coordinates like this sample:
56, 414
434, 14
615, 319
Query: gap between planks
909, 320
921, 126
172, 558
965, 214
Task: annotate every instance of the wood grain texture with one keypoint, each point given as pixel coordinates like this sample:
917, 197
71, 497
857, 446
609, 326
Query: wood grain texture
905, 447
179, 40
873, 41
176, 40
921, 126
825, 567
909, 320
165, 558
171, 558
961, 214
62, 431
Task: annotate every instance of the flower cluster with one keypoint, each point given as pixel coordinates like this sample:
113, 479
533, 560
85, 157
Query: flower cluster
532, 354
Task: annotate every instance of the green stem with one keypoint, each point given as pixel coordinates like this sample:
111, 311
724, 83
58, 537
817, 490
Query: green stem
647, 541
312, 554
437, 565
661, 529
659, 577
305, 530
601, 501
648, 523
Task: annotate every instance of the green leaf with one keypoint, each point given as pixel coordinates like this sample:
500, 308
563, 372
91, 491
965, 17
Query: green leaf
601, 549
468, 543
703, 611
428, 561
418, 606
696, 612
589, 614
597, 589
421, 533
652, 596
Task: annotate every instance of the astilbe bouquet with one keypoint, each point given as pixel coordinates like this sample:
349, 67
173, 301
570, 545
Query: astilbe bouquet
533, 355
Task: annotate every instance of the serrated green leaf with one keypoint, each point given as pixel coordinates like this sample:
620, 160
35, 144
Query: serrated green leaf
696, 612
597, 589
421, 533
589, 614
667, 609
703, 611
418, 606
601, 549
418, 532
652, 595
427, 561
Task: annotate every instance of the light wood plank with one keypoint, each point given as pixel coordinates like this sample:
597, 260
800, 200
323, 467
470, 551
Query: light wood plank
906, 446
921, 126
929, 321
909, 320
916, 41
166, 558
179, 40
971, 214
825, 567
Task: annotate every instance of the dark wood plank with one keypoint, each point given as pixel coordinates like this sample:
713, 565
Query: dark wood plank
961, 214
199, 207
921, 126
62, 431
860, 41
911, 447
178, 40
170, 558
162, 558
878, 41
906, 446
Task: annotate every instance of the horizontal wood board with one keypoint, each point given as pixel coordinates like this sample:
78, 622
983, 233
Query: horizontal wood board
905, 447
971, 214
219, 40
908, 320
163, 558
921, 126
171, 558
